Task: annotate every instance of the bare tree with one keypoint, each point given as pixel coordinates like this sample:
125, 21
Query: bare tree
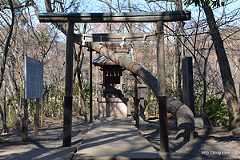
7, 44
228, 83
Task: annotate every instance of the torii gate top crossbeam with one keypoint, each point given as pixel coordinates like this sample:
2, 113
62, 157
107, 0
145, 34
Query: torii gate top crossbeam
168, 16
105, 37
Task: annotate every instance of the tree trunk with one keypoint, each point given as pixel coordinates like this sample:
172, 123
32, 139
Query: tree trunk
79, 62
178, 75
4, 120
3, 111
7, 44
178, 53
25, 121
227, 80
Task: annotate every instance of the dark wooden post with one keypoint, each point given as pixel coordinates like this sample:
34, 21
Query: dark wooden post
162, 101
187, 71
160, 57
108, 105
67, 120
136, 109
25, 120
90, 87
142, 95
37, 116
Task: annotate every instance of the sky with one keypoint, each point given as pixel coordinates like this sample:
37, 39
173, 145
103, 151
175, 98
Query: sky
96, 6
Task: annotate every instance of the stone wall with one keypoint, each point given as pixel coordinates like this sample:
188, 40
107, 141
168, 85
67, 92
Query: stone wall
111, 107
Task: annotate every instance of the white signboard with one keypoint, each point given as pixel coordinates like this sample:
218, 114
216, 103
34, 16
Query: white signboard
33, 78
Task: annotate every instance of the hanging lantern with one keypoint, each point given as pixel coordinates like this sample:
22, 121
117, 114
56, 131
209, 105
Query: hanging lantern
111, 74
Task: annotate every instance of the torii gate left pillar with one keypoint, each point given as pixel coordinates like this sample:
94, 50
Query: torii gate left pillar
67, 110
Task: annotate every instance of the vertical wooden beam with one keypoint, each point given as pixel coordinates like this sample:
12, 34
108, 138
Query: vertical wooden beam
136, 105
160, 57
25, 120
24, 104
37, 116
162, 101
142, 95
67, 120
108, 103
187, 71
90, 86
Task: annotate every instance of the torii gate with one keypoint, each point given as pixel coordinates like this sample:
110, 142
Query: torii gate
71, 19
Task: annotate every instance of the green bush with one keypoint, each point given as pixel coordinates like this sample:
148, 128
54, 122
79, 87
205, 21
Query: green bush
217, 111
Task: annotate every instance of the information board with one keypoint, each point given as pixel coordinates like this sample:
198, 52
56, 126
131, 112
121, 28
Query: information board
33, 78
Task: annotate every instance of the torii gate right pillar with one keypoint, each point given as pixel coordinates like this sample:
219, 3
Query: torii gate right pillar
161, 77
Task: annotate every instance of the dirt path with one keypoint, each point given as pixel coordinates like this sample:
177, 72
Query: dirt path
114, 138
218, 144
46, 145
